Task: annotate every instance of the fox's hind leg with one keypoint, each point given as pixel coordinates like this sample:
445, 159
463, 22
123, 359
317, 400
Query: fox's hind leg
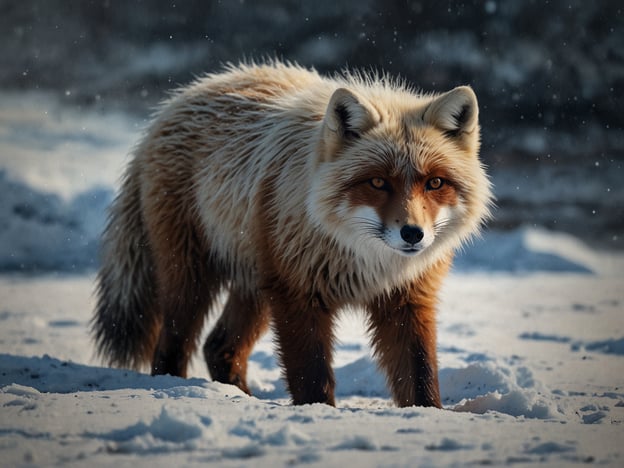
184, 302
230, 343
187, 285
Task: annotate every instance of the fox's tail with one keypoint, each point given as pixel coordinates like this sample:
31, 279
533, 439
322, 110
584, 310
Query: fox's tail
126, 323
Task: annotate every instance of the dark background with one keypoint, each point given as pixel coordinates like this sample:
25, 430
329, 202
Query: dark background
549, 75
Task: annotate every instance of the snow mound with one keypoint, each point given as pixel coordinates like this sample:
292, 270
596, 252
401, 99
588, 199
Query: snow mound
514, 403
42, 232
527, 250
361, 378
174, 429
487, 386
286, 435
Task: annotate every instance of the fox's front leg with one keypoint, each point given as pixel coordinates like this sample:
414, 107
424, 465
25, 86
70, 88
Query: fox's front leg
403, 328
305, 337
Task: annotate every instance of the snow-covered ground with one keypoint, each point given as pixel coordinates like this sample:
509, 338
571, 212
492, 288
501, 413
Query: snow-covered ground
531, 343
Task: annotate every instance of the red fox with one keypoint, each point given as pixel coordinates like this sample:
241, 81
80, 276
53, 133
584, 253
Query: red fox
300, 195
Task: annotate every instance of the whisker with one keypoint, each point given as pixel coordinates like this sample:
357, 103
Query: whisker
369, 228
367, 223
441, 225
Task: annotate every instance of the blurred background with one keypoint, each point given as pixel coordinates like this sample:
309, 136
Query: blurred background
549, 76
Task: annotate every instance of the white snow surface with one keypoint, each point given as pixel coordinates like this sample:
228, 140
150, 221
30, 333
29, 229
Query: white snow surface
530, 339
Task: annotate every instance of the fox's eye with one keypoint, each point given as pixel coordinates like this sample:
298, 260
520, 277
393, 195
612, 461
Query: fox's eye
434, 183
379, 183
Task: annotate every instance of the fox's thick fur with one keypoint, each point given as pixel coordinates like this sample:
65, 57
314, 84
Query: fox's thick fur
277, 184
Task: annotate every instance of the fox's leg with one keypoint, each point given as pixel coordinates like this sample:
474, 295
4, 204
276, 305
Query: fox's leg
187, 285
184, 303
404, 340
227, 348
403, 329
305, 336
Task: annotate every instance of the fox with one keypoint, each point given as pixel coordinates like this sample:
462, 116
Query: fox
299, 195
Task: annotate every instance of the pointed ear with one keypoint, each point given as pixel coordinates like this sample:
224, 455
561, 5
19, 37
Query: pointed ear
348, 116
456, 113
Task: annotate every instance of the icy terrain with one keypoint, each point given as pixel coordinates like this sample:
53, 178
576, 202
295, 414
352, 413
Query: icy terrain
531, 371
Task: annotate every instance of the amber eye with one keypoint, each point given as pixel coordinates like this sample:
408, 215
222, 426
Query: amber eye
435, 183
379, 183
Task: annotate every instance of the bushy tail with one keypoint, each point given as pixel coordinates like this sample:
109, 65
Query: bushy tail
126, 324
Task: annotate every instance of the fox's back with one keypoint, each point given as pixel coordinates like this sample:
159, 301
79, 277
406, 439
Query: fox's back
220, 144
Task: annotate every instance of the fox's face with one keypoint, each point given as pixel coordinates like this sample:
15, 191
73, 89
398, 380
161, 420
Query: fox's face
400, 182
405, 215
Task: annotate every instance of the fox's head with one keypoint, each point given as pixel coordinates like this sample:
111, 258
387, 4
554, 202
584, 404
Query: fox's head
399, 173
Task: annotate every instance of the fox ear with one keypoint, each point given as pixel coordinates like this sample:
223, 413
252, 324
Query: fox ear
347, 117
456, 113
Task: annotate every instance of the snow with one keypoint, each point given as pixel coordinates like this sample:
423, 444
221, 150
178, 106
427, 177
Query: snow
530, 339
521, 372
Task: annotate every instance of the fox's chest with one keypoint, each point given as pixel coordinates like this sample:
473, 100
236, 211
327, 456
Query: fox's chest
337, 277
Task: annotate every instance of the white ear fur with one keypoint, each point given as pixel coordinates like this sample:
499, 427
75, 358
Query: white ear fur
349, 115
455, 112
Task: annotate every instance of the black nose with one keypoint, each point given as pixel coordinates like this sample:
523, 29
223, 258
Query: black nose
412, 234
